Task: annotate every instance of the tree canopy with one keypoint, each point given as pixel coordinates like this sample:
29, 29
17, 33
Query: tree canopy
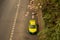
51, 16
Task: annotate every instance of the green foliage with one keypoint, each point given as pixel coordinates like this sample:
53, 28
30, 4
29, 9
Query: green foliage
51, 16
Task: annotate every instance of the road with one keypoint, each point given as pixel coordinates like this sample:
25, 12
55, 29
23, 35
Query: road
7, 14
8, 10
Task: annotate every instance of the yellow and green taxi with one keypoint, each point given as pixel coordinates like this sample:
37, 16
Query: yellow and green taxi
32, 26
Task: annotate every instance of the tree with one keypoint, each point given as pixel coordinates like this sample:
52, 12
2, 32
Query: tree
51, 16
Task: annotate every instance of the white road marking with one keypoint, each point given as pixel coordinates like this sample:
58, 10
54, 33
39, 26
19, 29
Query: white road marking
33, 16
33, 13
40, 6
27, 13
14, 23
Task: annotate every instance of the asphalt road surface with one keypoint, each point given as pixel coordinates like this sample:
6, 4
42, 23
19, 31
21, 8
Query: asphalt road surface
13, 22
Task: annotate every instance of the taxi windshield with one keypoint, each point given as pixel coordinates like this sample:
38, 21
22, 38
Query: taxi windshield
32, 26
